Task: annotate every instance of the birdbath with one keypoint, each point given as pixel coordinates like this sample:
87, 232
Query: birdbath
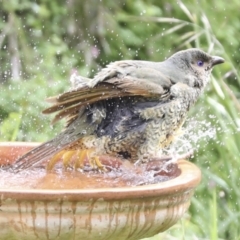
57, 207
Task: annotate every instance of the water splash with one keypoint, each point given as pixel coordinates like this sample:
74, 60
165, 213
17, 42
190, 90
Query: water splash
193, 134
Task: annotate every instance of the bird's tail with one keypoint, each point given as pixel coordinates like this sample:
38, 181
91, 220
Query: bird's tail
41, 153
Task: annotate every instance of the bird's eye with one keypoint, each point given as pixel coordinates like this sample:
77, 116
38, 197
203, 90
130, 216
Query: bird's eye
200, 63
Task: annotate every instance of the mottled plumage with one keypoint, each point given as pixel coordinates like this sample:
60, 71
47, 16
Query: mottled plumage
130, 108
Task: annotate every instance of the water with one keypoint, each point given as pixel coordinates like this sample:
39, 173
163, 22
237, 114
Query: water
188, 141
127, 175
124, 174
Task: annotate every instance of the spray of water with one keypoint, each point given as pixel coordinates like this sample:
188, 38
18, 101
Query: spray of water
186, 144
193, 133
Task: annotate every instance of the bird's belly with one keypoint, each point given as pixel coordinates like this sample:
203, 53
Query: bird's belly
165, 127
163, 124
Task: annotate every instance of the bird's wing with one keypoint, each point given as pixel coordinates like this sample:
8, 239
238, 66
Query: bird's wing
115, 81
150, 71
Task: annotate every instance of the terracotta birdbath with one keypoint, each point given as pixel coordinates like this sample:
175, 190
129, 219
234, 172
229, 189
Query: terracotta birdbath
58, 205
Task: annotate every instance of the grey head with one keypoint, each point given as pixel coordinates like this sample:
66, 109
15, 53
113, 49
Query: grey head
192, 66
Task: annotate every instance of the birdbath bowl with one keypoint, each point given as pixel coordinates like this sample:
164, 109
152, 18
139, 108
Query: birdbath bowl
56, 207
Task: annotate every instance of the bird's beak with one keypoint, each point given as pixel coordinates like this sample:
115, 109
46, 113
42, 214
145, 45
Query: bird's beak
217, 60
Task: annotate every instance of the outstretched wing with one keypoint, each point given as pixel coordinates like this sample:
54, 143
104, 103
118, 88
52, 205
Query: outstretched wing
119, 79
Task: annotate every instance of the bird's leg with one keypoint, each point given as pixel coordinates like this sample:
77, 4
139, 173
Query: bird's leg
94, 160
67, 157
52, 162
78, 157
89, 154
96, 163
82, 155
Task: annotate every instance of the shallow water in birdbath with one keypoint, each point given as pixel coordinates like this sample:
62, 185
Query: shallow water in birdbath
35, 179
123, 175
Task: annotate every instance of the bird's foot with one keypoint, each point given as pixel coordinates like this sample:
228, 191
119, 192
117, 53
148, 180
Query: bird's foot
95, 163
90, 155
81, 155
66, 156
54, 160
76, 159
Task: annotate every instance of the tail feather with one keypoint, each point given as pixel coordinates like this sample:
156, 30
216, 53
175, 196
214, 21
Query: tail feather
35, 156
41, 153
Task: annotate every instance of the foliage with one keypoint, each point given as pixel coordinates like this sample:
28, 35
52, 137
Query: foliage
86, 35
20, 110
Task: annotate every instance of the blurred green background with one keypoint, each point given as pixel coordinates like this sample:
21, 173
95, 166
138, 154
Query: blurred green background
42, 42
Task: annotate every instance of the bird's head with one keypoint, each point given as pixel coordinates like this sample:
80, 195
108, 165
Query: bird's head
196, 65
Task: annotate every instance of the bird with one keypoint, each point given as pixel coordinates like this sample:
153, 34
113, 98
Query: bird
131, 109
